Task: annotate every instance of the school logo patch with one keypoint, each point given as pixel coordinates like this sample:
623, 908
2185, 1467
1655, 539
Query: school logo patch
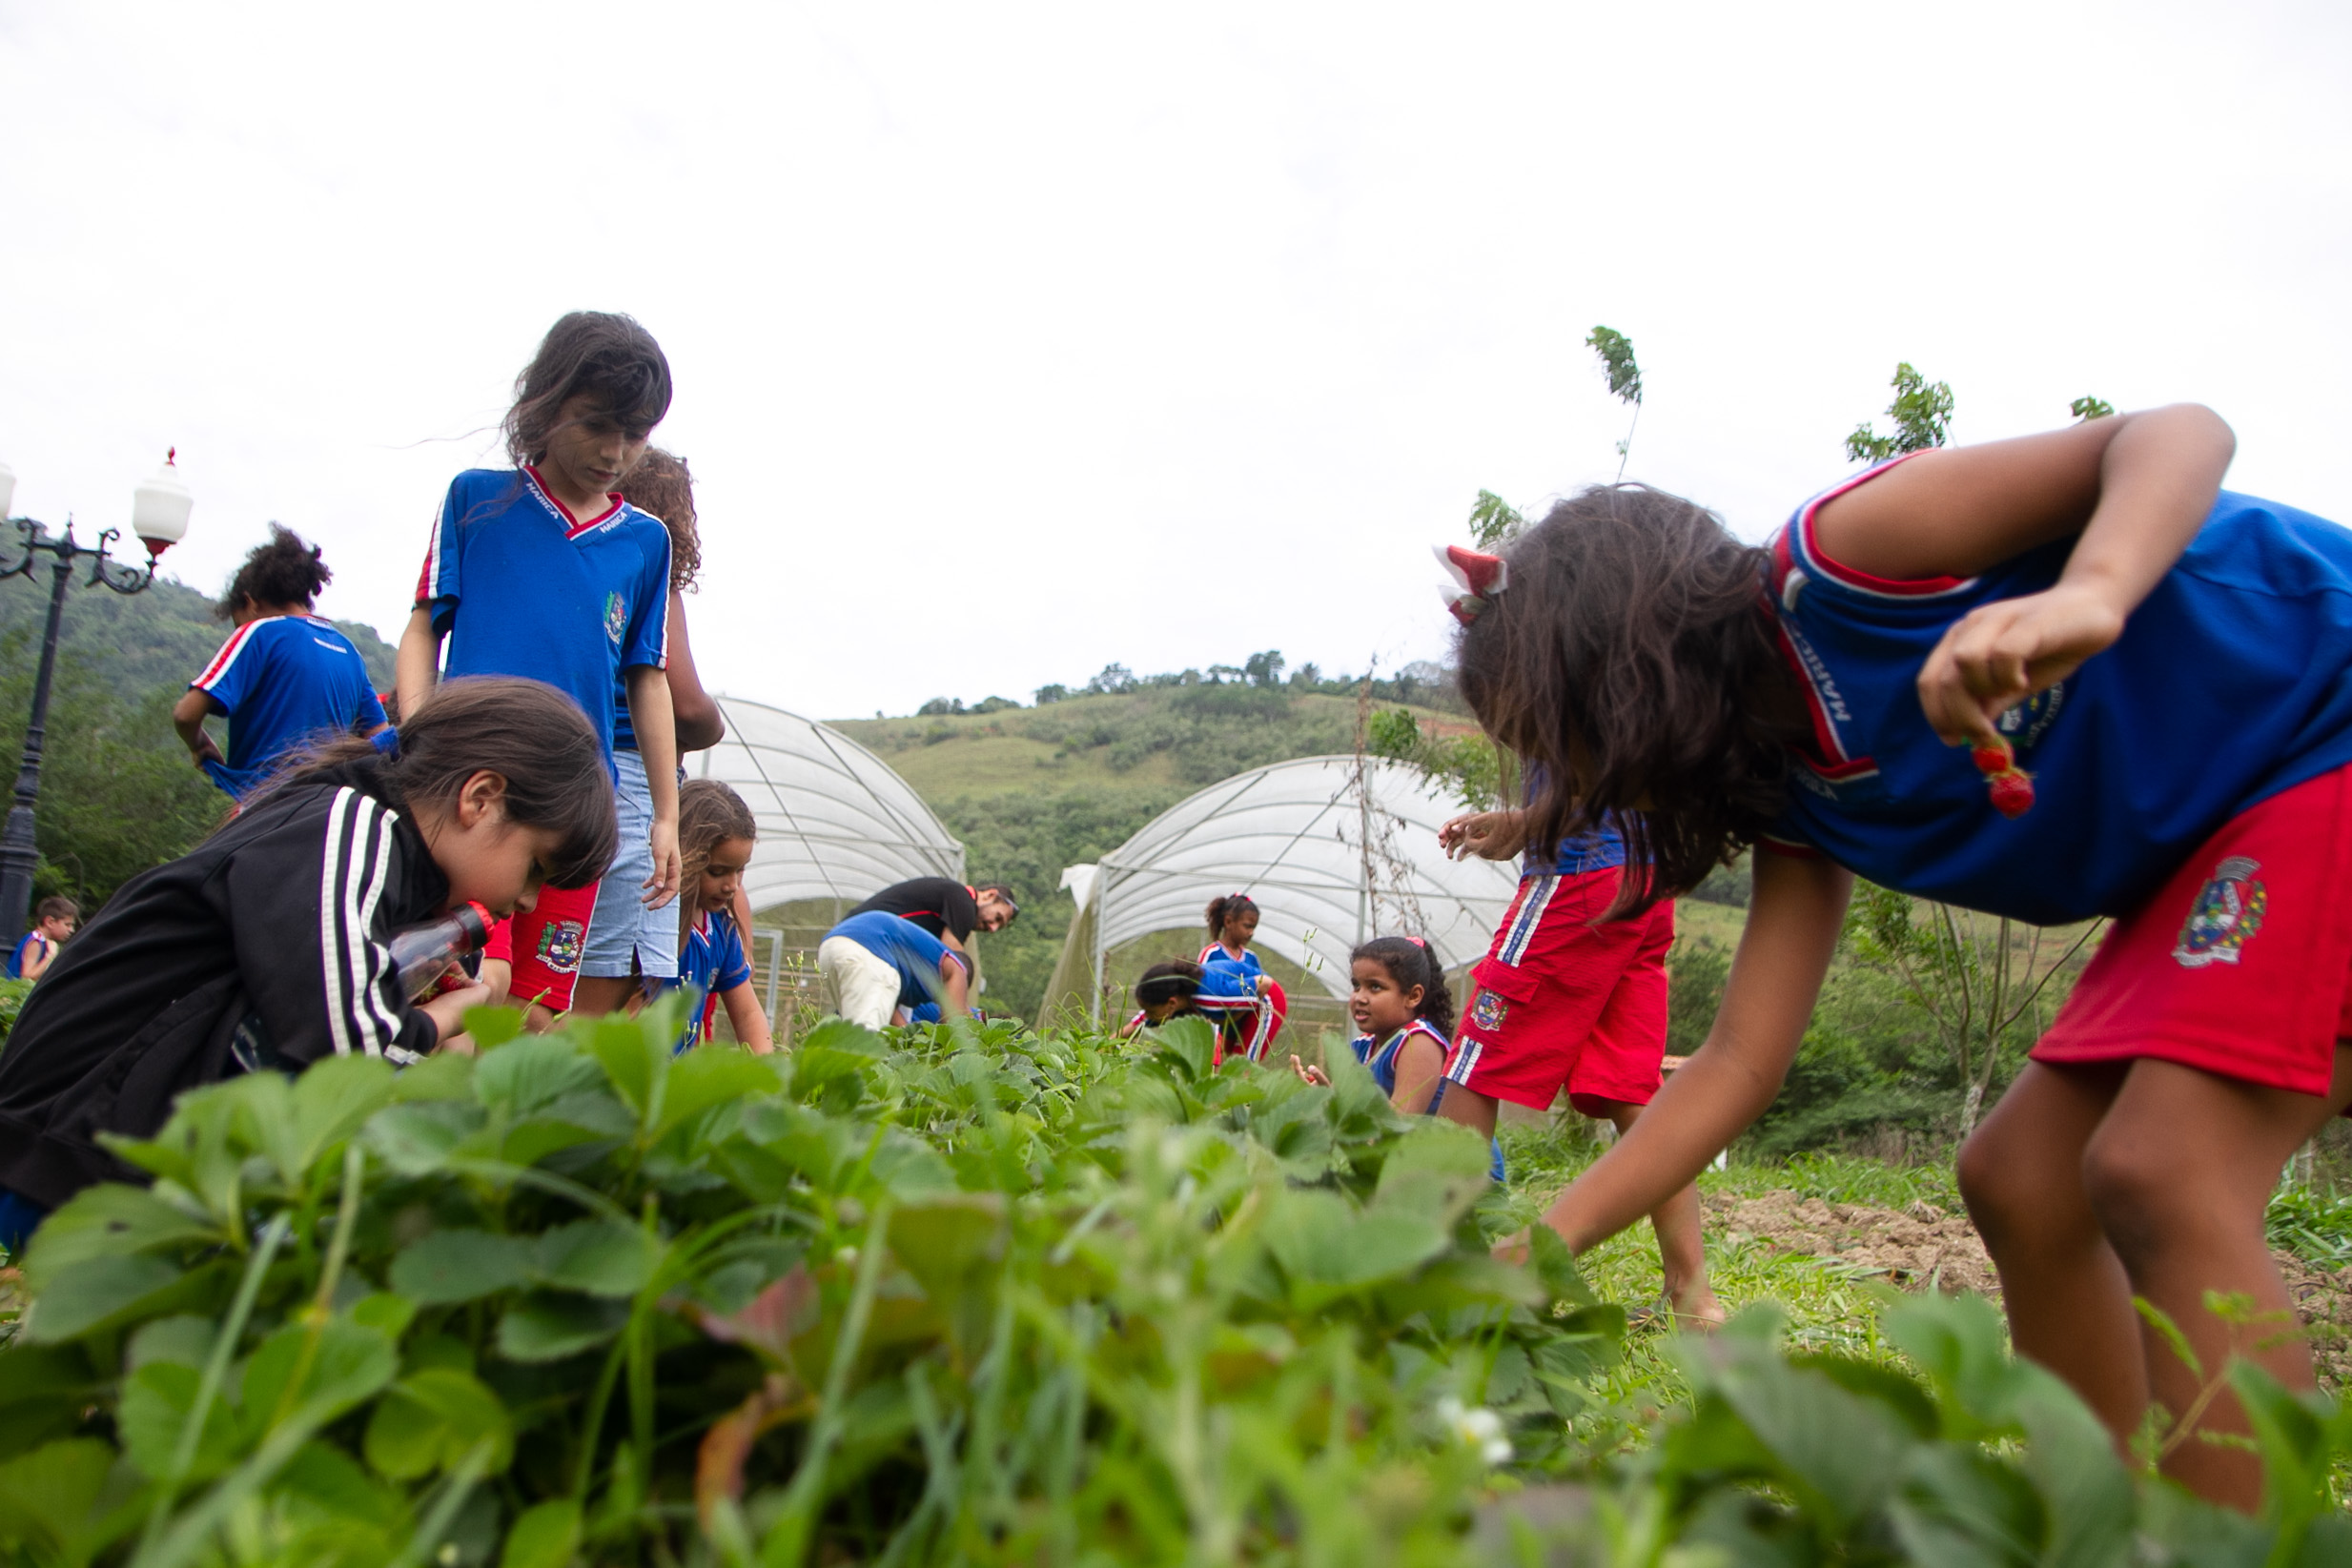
560, 944
2026, 724
1487, 1012
2227, 914
616, 617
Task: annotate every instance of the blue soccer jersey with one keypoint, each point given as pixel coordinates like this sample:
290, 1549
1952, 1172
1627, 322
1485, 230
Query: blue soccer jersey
712, 964
903, 945
1380, 1056
2231, 682
522, 587
284, 681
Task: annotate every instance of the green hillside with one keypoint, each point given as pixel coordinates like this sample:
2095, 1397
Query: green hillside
159, 638
1030, 791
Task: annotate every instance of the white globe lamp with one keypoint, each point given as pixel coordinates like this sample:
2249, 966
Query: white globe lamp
159, 508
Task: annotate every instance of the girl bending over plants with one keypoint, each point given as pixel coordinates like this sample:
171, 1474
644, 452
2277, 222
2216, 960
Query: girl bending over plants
266, 946
2048, 677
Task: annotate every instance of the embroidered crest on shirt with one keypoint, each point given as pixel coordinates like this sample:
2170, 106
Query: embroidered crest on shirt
1488, 1011
616, 617
2227, 914
2026, 724
560, 944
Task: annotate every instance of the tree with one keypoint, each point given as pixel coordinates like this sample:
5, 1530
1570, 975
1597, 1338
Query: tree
1054, 693
1264, 669
1922, 415
1114, 679
1625, 379
1494, 521
1467, 765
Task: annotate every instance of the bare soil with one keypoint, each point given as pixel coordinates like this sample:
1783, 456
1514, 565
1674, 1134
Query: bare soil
1926, 1248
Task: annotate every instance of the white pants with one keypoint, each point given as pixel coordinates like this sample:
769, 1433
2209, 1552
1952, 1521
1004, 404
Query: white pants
864, 987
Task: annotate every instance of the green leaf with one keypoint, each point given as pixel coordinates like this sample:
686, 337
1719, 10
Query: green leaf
600, 1257
332, 1099
157, 1403
109, 1220
1555, 1267
636, 1060
47, 1498
537, 1071
701, 1079
461, 1265
443, 1075
1328, 1250
545, 1536
315, 1371
185, 1340
1188, 1044
547, 1326
492, 1027
418, 1139
101, 1292
1437, 1170
431, 1420
329, 1480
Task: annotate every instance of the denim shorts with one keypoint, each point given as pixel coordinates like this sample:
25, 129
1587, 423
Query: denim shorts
625, 937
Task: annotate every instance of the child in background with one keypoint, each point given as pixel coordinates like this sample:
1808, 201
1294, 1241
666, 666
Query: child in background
285, 677
544, 570
1237, 994
1567, 1000
1164, 991
54, 920
880, 969
1404, 1011
716, 836
267, 945
2155, 676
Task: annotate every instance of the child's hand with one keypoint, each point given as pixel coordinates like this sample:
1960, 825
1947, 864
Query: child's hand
662, 886
1999, 654
1489, 835
1309, 1074
205, 751
447, 1010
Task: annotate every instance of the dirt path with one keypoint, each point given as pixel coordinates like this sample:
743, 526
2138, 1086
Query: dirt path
1925, 1248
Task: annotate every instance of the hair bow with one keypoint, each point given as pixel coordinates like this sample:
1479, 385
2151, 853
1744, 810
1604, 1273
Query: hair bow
1477, 579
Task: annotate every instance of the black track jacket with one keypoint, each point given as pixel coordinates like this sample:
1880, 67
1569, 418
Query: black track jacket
275, 927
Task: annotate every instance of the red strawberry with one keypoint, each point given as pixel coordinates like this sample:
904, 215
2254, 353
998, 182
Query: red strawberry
2013, 793
1993, 759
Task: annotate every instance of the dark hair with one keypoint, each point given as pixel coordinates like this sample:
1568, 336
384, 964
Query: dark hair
526, 732
709, 814
284, 571
56, 905
608, 357
1632, 661
662, 484
1003, 891
1410, 963
1228, 906
1179, 981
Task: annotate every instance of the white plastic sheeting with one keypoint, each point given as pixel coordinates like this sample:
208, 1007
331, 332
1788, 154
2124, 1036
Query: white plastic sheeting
836, 823
1334, 849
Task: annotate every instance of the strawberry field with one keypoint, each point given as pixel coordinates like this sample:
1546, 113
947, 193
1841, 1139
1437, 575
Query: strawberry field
974, 1296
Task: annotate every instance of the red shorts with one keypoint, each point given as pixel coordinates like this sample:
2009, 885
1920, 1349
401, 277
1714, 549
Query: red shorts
1563, 1003
2241, 963
544, 946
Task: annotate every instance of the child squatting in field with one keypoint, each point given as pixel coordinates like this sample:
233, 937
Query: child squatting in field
2167, 666
267, 945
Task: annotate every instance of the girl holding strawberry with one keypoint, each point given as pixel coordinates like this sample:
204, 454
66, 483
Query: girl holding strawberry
2153, 678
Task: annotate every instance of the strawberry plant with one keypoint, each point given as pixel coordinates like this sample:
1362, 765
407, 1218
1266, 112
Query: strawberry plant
974, 1294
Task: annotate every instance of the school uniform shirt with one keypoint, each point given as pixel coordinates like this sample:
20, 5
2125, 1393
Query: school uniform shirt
1228, 996
1380, 1056
940, 904
27, 945
264, 946
712, 964
1597, 848
522, 587
284, 681
903, 945
2231, 682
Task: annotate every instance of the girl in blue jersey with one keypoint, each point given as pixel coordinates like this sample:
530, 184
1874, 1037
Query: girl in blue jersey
1247, 1005
284, 678
2172, 666
1404, 1015
716, 835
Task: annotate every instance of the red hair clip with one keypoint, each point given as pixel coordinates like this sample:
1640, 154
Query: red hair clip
1477, 579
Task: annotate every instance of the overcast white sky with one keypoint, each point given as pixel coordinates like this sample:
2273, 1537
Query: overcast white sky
1012, 341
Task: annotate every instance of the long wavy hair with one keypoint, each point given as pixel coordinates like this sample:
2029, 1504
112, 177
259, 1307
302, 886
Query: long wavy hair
709, 814
610, 357
1632, 660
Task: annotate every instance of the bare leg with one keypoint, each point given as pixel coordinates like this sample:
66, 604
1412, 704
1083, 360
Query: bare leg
1471, 1108
595, 995
2069, 1301
2179, 1172
1681, 1249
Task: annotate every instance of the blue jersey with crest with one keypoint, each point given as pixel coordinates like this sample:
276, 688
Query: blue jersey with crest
522, 587
1380, 1056
712, 964
2231, 682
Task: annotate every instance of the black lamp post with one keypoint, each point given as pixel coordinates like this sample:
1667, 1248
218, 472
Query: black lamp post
159, 517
